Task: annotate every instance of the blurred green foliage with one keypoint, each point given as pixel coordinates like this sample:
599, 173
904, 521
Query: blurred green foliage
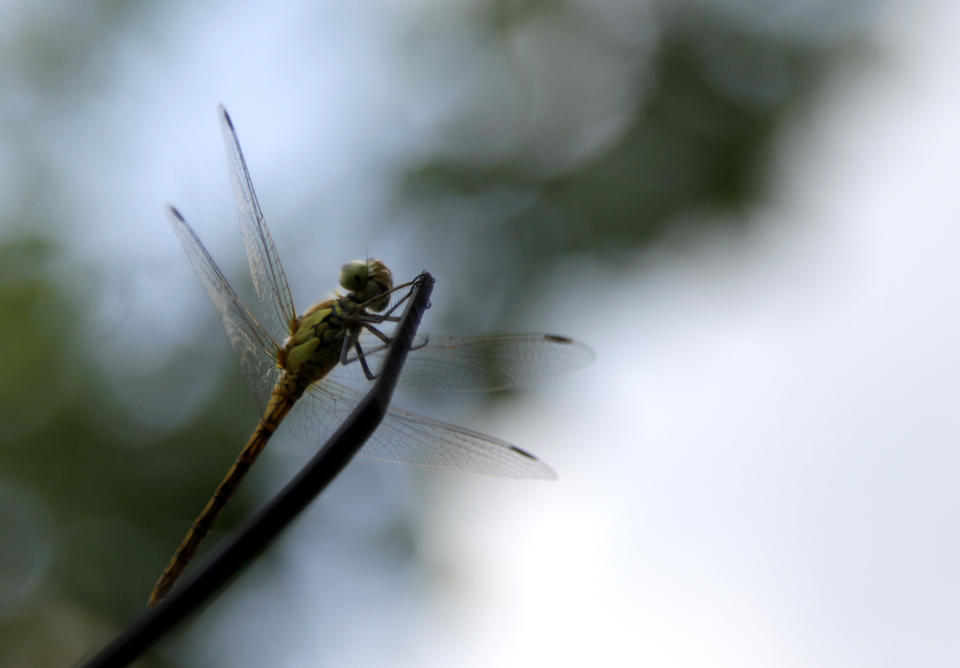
112, 492
695, 142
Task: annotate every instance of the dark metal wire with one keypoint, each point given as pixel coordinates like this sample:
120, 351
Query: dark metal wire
263, 527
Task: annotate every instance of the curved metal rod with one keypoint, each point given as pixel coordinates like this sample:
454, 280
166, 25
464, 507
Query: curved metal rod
241, 548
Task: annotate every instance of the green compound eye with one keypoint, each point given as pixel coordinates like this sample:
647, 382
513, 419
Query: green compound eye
354, 275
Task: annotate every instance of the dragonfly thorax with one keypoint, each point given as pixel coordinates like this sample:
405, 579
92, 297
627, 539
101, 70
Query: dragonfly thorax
316, 341
369, 282
314, 346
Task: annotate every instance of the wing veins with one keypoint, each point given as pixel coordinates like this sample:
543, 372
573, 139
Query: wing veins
225, 299
269, 278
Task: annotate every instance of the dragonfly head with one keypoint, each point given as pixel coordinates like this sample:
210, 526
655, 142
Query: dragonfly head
369, 281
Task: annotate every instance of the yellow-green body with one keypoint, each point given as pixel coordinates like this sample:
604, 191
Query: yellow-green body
313, 348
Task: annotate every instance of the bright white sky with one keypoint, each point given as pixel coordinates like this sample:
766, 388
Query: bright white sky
762, 470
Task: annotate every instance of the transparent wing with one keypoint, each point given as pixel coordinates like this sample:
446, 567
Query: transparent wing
483, 362
268, 276
253, 345
407, 438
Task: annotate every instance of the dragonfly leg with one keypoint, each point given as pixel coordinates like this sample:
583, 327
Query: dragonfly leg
388, 316
426, 340
350, 341
376, 332
387, 340
363, 361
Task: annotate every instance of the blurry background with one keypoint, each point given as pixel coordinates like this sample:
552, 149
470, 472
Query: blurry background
748, 209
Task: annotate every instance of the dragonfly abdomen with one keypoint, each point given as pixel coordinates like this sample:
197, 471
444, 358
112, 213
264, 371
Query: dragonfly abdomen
285, 394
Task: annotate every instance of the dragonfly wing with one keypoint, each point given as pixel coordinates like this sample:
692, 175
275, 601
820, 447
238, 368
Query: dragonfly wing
374, 351
413, 439
253, 345
482, 362
407, 438
318, 413
269, 278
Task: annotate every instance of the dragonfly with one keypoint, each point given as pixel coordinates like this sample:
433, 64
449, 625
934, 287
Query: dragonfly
306, 368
